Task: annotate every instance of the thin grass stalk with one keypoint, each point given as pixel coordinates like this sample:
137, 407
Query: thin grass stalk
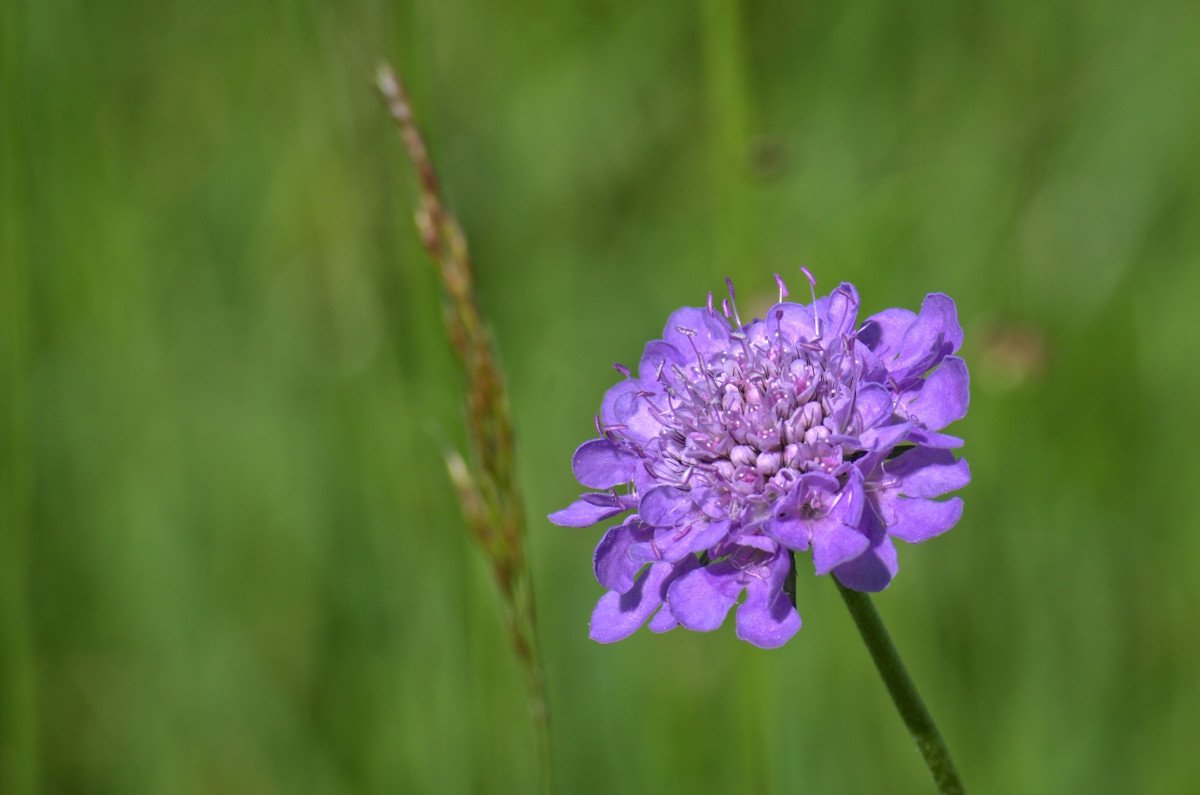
485, 479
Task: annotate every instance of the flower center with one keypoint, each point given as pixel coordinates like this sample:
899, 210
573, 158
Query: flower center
740, 427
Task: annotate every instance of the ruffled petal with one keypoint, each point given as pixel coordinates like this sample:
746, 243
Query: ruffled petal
872, 405
874, 569
767, 618
614, 567
941, 398
665, 506
701, 599
600, 464
696, 326
885, 437
660, 356
618, 615
879, 444
584, 513
836, 545
836, 537
627, 406
934, 335
871, 571
674, 543
789, 526
751, 540
792, 532
704, 535
882, 333
663, 621
791, 322
840, 312
926, 438
916, 520
927, 472
710, 502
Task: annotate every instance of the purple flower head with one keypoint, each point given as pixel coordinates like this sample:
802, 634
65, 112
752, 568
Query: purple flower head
738, 444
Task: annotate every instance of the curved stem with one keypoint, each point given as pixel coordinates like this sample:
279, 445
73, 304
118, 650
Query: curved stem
904, 693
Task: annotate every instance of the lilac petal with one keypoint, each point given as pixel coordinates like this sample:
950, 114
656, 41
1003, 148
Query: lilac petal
612, 563
792, 532
835, 536
879, 443
871, 571
836, 545
756, 331
927, 472
708, 332
701, 599
751, 539
627, 406
885, 437
617, 615
711, 502
660, 355
874, 569
600, 464
665, 506
674, 543
933, 439
583, 513
841, 312
707, 535
935, 334
873, 404
767, 618
768, 626
663, 621
839, 416
789, 526
793, 322
819, 480
942, 397
915, 520
872, 369
882, 332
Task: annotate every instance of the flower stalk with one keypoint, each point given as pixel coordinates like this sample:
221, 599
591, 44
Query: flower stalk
485, 480
902, 690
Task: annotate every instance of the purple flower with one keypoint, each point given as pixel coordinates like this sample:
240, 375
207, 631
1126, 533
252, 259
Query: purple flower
737, 445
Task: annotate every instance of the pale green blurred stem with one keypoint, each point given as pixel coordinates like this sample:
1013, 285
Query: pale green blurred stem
729, 113
903, 691
19, 753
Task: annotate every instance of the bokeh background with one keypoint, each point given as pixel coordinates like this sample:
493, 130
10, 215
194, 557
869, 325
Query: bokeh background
231, 560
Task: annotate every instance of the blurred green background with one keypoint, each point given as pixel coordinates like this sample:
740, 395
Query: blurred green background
231, 560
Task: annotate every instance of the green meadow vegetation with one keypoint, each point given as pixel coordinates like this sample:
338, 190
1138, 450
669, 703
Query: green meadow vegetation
230, 557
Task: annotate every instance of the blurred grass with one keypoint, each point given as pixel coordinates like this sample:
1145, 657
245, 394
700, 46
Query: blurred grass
230, 558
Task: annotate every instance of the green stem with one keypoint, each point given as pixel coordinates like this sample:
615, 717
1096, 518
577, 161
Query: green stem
729, 123
904, 693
